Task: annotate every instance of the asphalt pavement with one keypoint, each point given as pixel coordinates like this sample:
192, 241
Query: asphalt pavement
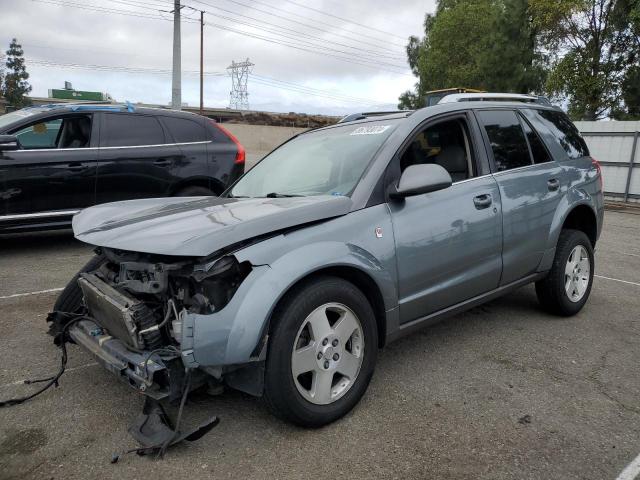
503, 391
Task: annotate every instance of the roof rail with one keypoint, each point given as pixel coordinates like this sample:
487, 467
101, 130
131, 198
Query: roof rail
352, 117
495, 97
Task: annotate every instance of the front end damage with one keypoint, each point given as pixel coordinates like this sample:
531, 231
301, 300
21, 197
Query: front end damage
137, 324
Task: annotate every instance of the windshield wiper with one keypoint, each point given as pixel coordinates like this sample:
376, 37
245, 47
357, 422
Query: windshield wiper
280, 195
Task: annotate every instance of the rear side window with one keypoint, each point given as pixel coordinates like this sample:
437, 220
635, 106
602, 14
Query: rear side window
507, 139
538, 150
565, 132
122, 130
184, 130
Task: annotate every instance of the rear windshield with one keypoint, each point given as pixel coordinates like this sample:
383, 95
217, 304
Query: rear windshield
324, 162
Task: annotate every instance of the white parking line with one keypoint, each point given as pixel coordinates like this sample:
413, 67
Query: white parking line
632, 470
618, 280
630, 254
67, 370
15, 295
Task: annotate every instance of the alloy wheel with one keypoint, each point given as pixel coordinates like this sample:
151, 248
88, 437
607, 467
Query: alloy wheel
577, 273
327, 353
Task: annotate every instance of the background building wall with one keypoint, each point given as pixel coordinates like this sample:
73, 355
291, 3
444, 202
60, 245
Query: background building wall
616, 145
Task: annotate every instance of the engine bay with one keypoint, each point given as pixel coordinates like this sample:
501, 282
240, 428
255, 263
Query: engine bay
141, 299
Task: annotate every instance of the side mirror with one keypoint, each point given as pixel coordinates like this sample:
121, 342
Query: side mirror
423, 178
9, 142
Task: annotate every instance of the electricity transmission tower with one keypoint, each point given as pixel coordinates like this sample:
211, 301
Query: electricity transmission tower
239, 97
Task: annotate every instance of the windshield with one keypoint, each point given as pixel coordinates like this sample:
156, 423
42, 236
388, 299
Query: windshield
9, 118
323, 162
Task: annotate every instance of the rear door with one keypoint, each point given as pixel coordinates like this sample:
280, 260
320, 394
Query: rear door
531, 185
54, 170
136, 158
190, 137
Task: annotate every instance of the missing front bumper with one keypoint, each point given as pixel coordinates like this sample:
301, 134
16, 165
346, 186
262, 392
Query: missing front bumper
155, 377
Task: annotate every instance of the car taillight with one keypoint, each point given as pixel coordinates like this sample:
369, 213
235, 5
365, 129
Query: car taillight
240, 154
596, 164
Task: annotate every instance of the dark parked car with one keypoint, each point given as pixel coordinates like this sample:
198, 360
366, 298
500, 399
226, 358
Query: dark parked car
339, 241
58, 159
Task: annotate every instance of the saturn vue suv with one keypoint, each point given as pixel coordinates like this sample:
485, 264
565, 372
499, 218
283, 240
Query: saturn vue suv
338, 242
58, 159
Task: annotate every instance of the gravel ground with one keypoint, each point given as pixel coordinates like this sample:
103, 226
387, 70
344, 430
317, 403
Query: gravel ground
503, 391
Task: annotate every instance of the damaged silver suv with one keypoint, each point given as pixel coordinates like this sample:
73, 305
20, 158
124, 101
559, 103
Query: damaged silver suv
339, 241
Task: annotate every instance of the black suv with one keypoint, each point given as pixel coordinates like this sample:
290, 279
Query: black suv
58, 159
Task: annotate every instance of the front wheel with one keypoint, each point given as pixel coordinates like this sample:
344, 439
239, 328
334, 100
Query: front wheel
322, 352
566, 289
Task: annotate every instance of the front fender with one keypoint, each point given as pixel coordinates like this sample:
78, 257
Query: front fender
233, 335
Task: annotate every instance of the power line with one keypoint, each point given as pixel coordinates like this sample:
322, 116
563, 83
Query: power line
117, 68
370, 57
296, 32
307, 25
350, 59
285, 85
266, 81
343, 19
390, 54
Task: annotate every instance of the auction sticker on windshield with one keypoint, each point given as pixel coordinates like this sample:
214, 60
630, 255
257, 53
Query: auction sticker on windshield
370, 130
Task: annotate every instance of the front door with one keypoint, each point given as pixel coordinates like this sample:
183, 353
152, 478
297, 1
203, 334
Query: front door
53, 171
448, 243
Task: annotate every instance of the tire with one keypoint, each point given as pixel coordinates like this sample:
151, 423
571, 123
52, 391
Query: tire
194, 191
552, 290
70, 299
284, 393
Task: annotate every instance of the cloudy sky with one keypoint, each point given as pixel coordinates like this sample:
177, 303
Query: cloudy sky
314, 56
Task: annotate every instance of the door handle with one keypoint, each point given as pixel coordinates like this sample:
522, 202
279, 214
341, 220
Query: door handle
162, 163
553, 184
482, 201
76, 167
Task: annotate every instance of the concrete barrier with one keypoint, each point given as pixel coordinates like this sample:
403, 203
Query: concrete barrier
259, 140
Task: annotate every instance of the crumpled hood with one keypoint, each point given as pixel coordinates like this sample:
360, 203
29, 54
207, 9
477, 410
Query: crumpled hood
197, 226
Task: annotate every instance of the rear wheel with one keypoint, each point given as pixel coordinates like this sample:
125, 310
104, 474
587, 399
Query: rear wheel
194, 191
567, 287
322, 352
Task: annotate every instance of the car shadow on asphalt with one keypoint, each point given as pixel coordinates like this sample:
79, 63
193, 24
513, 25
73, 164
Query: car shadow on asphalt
37, 241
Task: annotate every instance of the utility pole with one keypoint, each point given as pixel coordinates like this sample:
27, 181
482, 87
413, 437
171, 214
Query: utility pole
176, 81
201, 61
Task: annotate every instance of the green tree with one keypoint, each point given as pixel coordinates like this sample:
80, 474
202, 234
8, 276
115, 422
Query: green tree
486, 44
16, 87
630, 107
593, 52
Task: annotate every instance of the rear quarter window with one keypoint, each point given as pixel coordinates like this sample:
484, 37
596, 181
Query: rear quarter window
184, 130
564, 131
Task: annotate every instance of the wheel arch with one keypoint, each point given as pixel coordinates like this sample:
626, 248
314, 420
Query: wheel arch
200, 181
582, 218
362, 280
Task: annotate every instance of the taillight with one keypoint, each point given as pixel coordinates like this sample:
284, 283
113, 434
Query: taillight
240, 154
596, 164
